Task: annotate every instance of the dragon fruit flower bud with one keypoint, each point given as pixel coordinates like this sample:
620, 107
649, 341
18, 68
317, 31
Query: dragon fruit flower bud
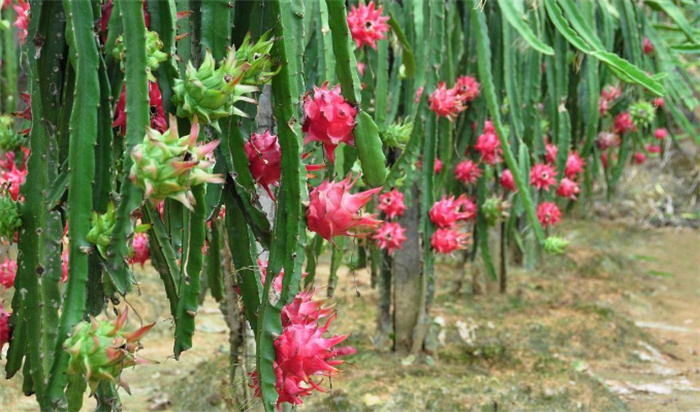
507, 181
390, 236
542, 176
330, 119
264, 159
8, 271
333, 210
467, 172
568, 188
168, 166
446, 102
548, 214
367, 25
391, 204
100, 350
448, 240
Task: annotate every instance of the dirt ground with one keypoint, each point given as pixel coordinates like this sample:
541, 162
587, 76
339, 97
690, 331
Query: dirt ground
613, 325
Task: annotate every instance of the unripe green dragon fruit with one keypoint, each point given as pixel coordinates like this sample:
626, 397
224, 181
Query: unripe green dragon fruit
555, 245
257, 55
397, 134
210, 93
495, 210
9, 139
167, 165
643, 113
10, 221
101, 231
100, 350
154, 55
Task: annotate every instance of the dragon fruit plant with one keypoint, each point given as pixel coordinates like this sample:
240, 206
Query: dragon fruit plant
154, 131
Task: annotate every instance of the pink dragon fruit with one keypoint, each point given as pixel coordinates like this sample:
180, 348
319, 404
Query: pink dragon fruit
467, 172
568, 188
507, 181
158, 120
12, 179
488, 127
610, 92
648, 46
489, 146
640, 158
329, 118
623, 123
542, 176
652, 148
467, 89
438, 166
140, 250
391, 204
550, 153
264, 159
8, 161
8, 271
660, 133
333, 210
446, 102
448, 240
659, 102
574, 165
448, 210
606, 140
5, 331
367, 25
22, 19
390, 236
604, 160
303, 308
548, 214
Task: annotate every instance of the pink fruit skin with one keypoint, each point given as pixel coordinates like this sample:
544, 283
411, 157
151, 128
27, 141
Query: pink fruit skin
5, 330
467, 172
333, 210
367, 25
548, 214
390, 236
447, 211
264, 159
391, 204
446, 241
574, 165
542, 176
446, 102
329, 118
568, 188
8, 271
507, 181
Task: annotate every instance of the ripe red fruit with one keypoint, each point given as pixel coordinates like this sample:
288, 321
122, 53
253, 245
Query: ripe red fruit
448, 210
640, 158
333, 210
489, 146
390, 236
8, 271
391, 204
367, 25
13, 179
5, 330
264, 159
446, 240
623, 123
507, 181
158, 119
568, 188
22, 19
648, 46
550, 153
467, 89
574, 165
141, 253
548, 214
652, 148
446, 102
660, 133
329, 118
542, 176
659, 102
467, 172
